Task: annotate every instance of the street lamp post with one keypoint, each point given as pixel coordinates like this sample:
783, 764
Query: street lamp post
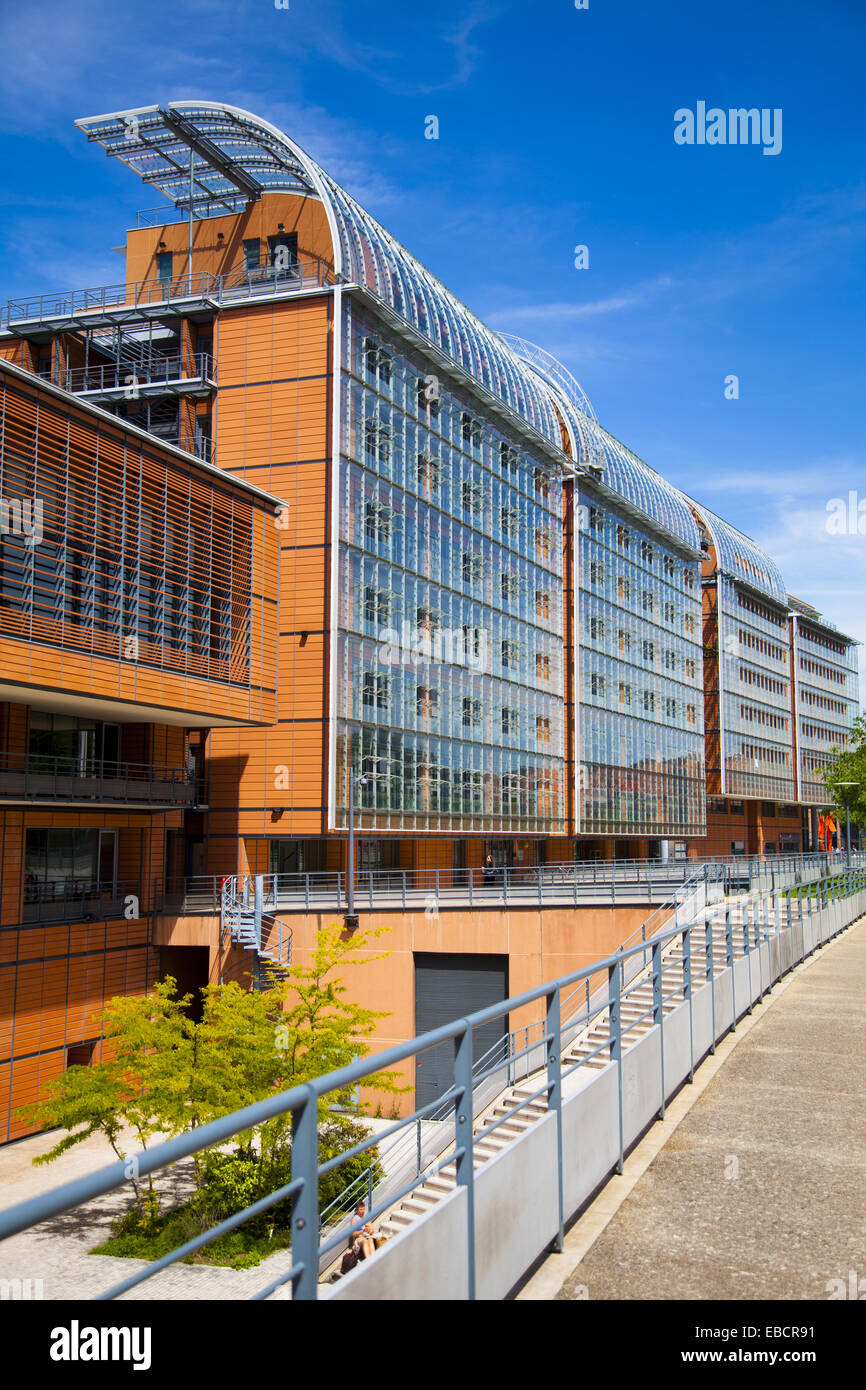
350, 918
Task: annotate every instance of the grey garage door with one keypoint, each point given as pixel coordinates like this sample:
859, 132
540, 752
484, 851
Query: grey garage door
449, 987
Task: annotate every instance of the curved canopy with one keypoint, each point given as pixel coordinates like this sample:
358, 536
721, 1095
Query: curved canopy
216, 158
741, 558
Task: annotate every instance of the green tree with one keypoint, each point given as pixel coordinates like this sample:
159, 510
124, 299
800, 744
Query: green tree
165, 1075
849, 765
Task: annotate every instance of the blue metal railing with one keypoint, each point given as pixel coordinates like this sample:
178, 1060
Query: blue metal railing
758, 926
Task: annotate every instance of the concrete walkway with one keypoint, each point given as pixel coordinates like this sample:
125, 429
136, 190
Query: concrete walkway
756, 1189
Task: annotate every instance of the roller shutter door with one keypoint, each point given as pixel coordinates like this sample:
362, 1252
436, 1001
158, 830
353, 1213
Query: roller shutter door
449, 987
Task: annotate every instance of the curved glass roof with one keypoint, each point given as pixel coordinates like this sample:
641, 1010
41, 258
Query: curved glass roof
217, 158
621, 470
741, 558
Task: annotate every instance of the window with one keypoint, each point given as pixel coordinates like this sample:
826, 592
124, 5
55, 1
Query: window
646, 552
427, 396
377, 438
163, 267
376, 690
377, 521
623, 538
429, 474
670, 707
542, 603
649, 701
377, 606
510, 720
510, 586
596, 629
689, 578
670, 613
283, 253
509, 656
471, 713
624, 590
378, 362
509, 457
473, 498
669, 567
427, 622
542, 729
542, 482
647, 600
471, 432
649, 653
471, 568
689, 622
472, 643
596, 573
252, 254
426, 702
596, 521
691, 714
624, 694
542, 666
542, 543
508, 520
670, 660
624, 640
596, 684
690, 667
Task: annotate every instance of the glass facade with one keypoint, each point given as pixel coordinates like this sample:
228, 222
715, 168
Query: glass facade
640, 729
825, 665
754, 663
449, 656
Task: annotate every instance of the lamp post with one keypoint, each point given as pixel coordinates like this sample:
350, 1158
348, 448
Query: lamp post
847, 822
350, 919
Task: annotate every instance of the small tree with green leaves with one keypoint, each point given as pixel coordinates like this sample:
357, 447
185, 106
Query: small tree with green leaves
166, 1075
848, 765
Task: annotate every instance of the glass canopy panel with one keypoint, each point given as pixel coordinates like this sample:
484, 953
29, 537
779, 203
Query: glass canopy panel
739, 557
234, 157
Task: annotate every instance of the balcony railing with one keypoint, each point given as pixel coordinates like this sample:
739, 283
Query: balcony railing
571, 884
127, 376
123, 299
39, 777
80, 900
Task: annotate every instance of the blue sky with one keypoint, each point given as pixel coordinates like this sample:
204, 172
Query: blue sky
555, 130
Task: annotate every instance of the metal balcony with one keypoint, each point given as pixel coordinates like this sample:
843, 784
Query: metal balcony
80, 900
34, 777
117, 381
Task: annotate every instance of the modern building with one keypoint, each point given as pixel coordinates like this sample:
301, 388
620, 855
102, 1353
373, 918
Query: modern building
489, 622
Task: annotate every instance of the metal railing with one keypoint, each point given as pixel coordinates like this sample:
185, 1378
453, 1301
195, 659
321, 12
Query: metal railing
42, 777
615, 882
244, 919
79, 899
308, 272
128, 376
836, 902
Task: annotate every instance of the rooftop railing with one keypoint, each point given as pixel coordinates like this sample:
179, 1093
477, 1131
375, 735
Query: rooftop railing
123, 299
71, 899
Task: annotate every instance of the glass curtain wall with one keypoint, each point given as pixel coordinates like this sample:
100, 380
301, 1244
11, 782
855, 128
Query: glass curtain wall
450, 682
754, 666
641, 701
827, 701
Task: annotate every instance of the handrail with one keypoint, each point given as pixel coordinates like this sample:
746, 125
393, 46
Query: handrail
570, 883
305, 272
301, 1102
